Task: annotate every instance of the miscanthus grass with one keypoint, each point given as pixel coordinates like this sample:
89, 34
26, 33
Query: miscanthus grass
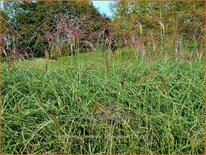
92, 103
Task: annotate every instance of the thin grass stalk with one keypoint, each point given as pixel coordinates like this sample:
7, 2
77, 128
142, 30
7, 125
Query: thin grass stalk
111, 137
154, 46
142, 48
175, 33
134, 44
10, 63
39, 96
107, 65
179, 48
46, 59
12, 59
199, 49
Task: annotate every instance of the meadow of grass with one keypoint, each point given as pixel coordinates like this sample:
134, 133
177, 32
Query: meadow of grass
99, 103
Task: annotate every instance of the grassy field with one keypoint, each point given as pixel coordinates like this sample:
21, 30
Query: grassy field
98, 103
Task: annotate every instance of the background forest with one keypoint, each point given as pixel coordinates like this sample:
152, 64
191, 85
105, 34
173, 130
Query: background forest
68, 27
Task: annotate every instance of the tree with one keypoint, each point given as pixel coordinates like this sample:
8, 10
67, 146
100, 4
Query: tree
158, 22
33, 20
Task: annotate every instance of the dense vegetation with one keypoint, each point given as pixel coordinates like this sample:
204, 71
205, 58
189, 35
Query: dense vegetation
29, 28
76, 81
81, 105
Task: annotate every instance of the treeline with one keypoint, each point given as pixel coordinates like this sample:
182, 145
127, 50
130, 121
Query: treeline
159, 24
31, 28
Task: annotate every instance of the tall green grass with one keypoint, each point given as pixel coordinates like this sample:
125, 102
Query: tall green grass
157, 105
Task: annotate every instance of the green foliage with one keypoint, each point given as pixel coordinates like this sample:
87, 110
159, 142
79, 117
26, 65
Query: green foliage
164, 21
146, 97
39, 25
33, 20
160, 103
